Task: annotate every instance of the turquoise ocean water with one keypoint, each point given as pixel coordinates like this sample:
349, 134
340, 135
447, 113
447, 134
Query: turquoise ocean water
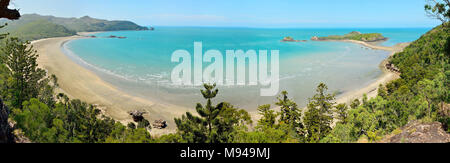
141, 64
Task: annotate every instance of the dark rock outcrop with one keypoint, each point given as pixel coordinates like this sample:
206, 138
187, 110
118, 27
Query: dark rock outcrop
290, 39
392, 67
137, 115
6, 129
159, 124
417, 132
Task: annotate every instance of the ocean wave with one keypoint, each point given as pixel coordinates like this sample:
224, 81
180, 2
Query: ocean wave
66, 50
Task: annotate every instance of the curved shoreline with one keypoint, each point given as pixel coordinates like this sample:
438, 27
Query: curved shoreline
371, 90
81, 83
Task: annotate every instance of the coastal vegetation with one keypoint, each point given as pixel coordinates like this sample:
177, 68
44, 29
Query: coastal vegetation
366, 37
420, 95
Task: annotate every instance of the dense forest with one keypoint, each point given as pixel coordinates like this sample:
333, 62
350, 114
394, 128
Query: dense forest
421, 94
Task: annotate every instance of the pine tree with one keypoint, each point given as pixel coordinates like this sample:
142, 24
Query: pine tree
200, 129
290, 114
342, 114
27, 79
268, 118
209, 112
319, 117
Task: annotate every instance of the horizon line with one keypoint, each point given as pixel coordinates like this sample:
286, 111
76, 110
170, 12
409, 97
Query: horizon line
254, 27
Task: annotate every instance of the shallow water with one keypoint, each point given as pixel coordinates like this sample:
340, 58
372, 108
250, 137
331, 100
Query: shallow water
141, 64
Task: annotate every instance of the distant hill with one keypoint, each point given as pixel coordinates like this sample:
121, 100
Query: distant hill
34, 26
40, 29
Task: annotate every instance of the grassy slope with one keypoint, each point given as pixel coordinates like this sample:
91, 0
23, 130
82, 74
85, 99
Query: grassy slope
40, 29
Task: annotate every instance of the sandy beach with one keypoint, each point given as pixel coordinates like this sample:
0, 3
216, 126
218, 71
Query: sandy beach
372, 89
80, 83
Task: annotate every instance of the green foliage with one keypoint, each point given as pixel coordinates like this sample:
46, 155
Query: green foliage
30, 92
438, 10
120, 134
318, 117
229, 121
144, 124
290, 114
36, 121
341, 111
355, 104
341, 133
269, 116
200, 129
280, 133
73, 122
170, 138
26, 80
417, 95
216, 124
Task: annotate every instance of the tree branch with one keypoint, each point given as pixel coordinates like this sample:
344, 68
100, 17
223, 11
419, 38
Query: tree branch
7, 13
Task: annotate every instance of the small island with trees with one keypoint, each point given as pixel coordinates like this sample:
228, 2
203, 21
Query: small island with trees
358, 36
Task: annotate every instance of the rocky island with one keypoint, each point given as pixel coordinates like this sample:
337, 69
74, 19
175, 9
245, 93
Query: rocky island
290, 39
358, 36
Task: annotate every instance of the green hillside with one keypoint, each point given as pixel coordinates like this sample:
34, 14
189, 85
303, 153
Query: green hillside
40, 29
420, 94
34, 26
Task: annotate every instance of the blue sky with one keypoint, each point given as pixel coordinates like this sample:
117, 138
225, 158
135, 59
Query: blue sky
242, 13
